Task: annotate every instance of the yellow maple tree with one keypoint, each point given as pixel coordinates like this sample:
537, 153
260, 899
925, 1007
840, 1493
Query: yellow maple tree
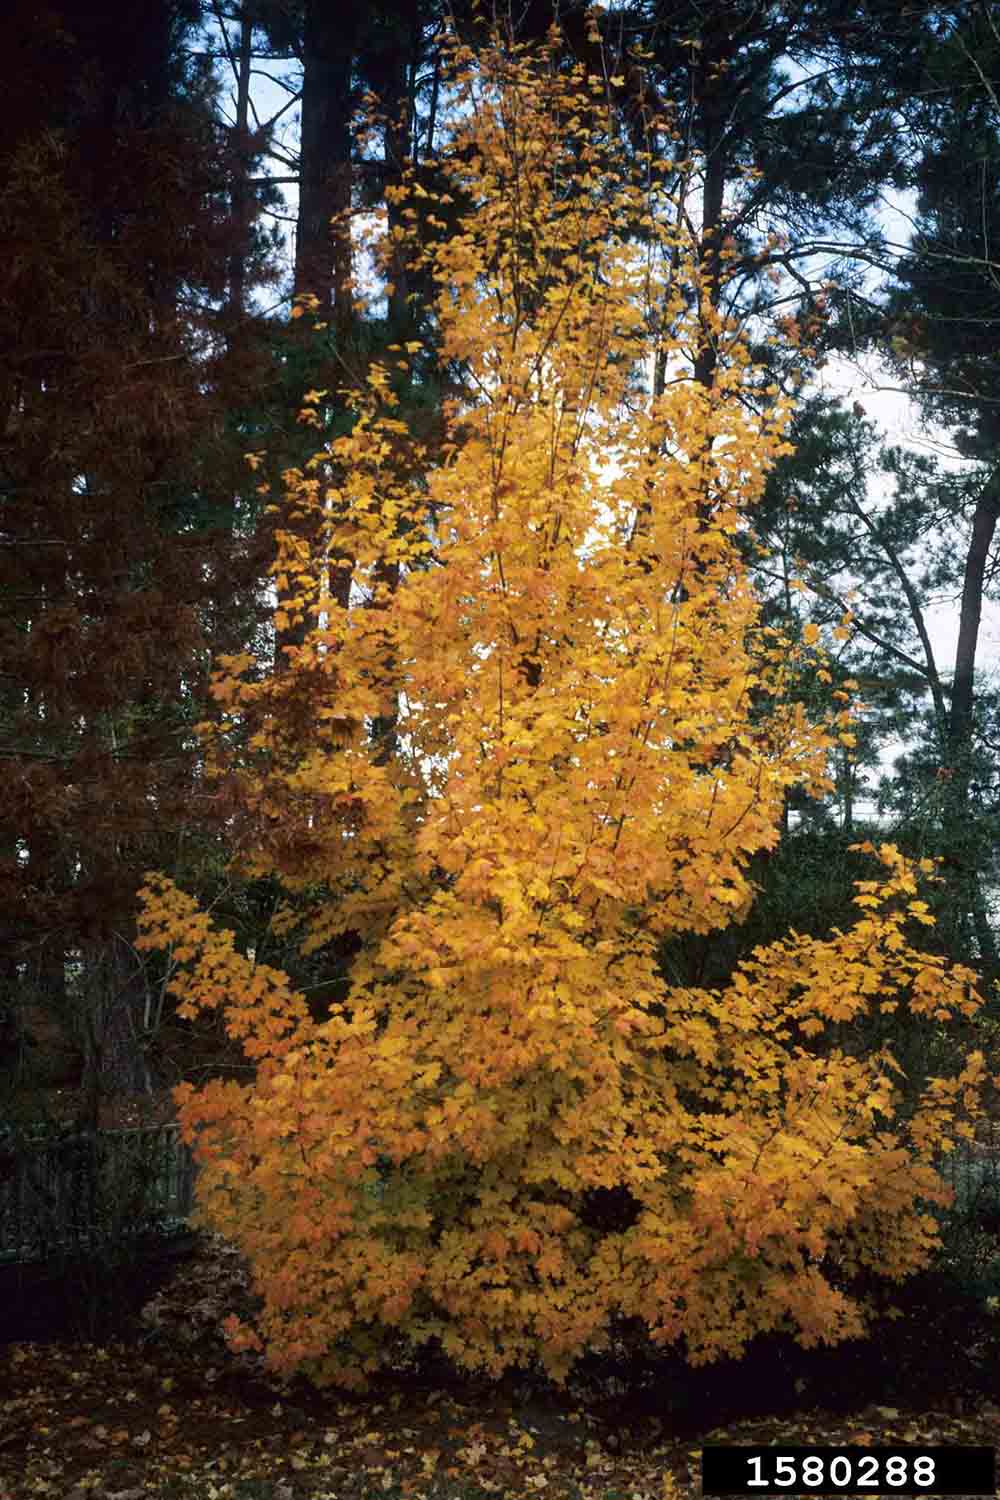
571, 659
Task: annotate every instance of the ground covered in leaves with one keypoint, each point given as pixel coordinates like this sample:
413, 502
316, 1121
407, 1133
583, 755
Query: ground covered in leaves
165, 1410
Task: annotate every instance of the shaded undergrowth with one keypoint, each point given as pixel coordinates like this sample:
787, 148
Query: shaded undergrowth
157, 1405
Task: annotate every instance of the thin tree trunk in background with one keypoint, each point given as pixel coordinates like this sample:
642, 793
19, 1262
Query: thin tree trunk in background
113, 1024
960, 723
241, 191
322, 252
847, 785
713, 199
984, 526
323, 260
398, 68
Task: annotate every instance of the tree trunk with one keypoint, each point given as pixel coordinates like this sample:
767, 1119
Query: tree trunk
114, 1023
323, 247
960, 723
241, 191
396, 77
322, 252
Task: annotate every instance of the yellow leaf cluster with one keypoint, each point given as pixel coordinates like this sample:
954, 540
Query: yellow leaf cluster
572, 681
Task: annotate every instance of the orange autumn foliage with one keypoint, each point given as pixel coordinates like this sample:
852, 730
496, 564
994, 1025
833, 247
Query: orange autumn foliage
591, 724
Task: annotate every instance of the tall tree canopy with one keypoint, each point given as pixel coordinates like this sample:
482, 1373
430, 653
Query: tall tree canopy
512, 1133
121, 562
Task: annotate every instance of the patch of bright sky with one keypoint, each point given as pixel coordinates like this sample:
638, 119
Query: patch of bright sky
866, 380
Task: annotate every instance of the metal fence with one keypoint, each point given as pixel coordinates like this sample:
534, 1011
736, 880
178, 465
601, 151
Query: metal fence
973, 1170
62, 1189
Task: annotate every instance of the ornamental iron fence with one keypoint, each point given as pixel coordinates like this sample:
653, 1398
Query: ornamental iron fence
68, 1189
